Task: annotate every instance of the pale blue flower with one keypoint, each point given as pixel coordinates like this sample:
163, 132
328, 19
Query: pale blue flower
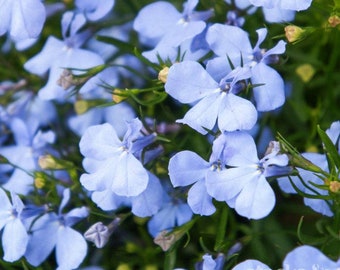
189, 82
112, 163
54, 231
57, 55
14, 235
243, 185
22, 19
232, 42
308, 257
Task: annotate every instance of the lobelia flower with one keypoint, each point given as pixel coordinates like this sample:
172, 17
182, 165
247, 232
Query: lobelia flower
210, 264
31, 143
243, 184
22, 19
231, 42
308, 257
161, 26
94, 10
14, 235
319, 205
189, 82
112, 163
54, 231
303, 257
58, 55
251, 264
145, 204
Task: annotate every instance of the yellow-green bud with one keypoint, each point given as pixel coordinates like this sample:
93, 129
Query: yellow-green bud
39, 180
118, 95
163, 74
294, 33
334, 186
305, 72
334, 20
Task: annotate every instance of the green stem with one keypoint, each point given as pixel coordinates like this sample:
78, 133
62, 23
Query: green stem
221, 229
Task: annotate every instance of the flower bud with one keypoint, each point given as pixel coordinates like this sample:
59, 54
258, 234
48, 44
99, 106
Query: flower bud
48, 162
39, 180
100, 234
163, 74
165, 240
118, 95
334, 20
334, 186
305, 72
294, 33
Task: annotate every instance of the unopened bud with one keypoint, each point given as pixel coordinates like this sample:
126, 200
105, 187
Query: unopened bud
47, 162
334, 186
100, 234
305, 72
67, 79
165, 240
81, 106
118, 95
334, 20
294, 33
163, 74
39, 180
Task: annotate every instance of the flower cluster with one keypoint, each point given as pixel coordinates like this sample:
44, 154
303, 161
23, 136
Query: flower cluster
161, 116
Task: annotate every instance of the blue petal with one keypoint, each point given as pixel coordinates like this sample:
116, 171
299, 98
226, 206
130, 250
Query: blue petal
251, 264
5, 15
186, 167
42, 240
95, 10
71, 248
295, 4
150, 200
277, 14
226, 184
130, 178
271, 95
100, 142
231, 41
240, 149
199, 200
155, 20
107, 200
40, 63
28, 17
236, 113
189, 81
307, 257
102, 177
204, 113
256, 200
14, 240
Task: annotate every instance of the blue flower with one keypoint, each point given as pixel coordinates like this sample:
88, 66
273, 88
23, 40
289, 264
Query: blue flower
308, 257
94, 10
186, 168
31, 143
251, 264
318, 205
114, 164
14, 235
161, 26
231, 41
189, 82
283, 4
23, 19
243, 184
54, 231
58, 54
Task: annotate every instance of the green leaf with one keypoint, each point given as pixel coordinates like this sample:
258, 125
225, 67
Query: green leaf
330, 149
